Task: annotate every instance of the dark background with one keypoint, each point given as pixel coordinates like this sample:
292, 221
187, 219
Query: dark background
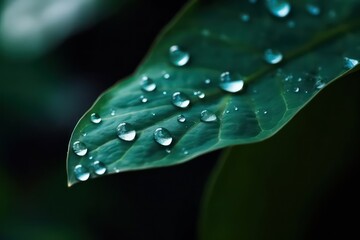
41, 101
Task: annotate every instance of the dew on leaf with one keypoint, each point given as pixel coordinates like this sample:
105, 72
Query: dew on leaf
79, 148
98, 167
166, 75
199, 94
126, 132
350, 63
162, 136
81, 173
207, 81
313, 9
112, 113
272, 56
178, 57
278, 8
228, 84
180, 100
207, 116
143, 99
95, 118
147, 84
181, 118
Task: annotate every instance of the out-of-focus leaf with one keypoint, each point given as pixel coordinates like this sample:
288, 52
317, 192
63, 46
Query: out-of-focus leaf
272, 189
283, 62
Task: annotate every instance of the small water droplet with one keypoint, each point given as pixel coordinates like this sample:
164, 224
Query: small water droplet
112, 113
228, 84
98, 167
147, 84
180, 100
272, 56
153, 114
207, 116
181, 118
164, 92
236, 108
162, 136
84, 134
185, 152
178, 57
278, 8
313, 9
245, 17
81, 173
95, 118
227, 111
319, 84
350, 63
199, 94
166, 75
126, 132
79, 148
207, 81
168, 150
291, 24
143, 99
296, 89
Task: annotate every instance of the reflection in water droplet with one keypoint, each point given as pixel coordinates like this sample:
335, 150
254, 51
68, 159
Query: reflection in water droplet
313, 9
181, 118
199, 94
162, 136
278, 8
143, 99
178, 57
98, 167
147, 84
272, 56
126, 131
180, 100
245, 17
228, 84
79, 148
350, 63
207, 116
95, 118
81, 173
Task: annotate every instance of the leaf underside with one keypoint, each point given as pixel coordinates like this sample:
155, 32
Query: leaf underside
218, 39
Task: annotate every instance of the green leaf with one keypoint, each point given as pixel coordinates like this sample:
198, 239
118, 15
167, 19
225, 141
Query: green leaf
218, 39
274, 189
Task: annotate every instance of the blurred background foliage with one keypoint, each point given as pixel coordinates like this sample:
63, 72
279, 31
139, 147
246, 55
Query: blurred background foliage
56, 57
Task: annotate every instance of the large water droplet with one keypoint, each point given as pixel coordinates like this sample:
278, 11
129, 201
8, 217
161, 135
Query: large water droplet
180, 100
207, 116
278, 8
272, 56
178, 57
79, 148
126, 131
313, 9
350, 63
147, 84
162, 136
81, 173
98, 167
95, 118
228, 84
181, 118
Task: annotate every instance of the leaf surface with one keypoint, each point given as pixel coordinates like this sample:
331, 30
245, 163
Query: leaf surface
218, 39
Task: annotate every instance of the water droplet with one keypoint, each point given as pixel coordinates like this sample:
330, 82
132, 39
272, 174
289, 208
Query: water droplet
227, 111
207, 81
278, 8
164, 92
350, 63
126, 131
199, 94
236, 108
178, 57
79, 148
153, 114
180, 100
228, 84
265, 112
162, 136
81, 173
112, 113
272, 56
95, 118
296, 89
166, 75
147, 84
168, 150
245, 17
207, 116
313, 9
84, 134
319, 84
185, 152
181, 118
143, 99
98, 167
